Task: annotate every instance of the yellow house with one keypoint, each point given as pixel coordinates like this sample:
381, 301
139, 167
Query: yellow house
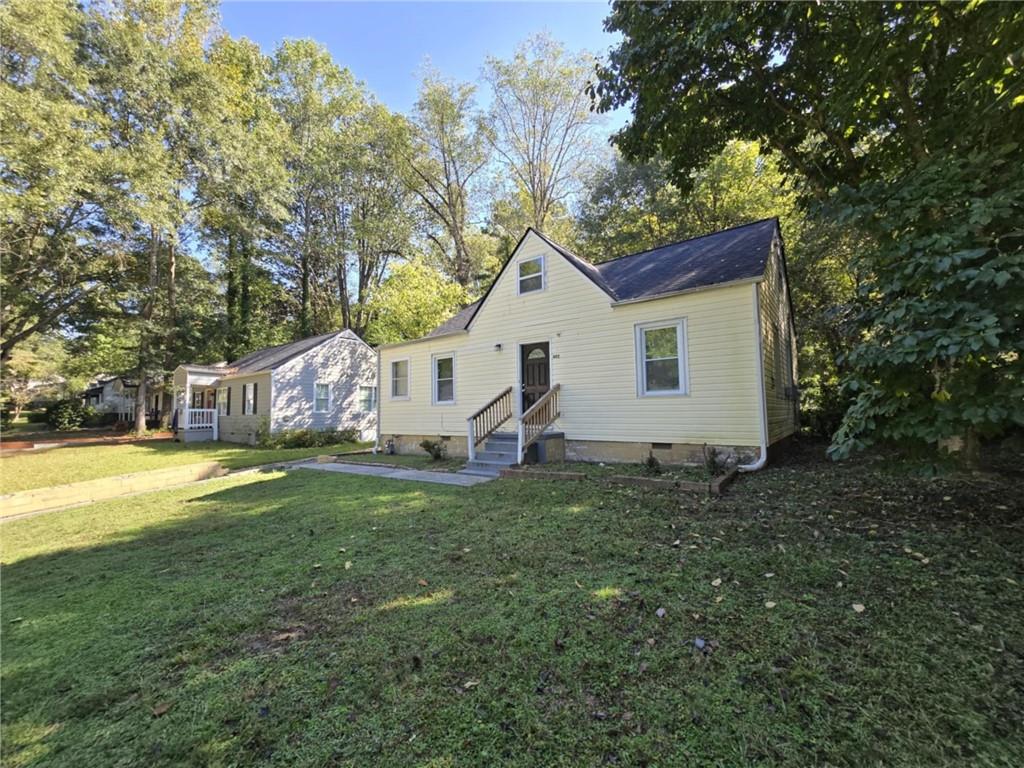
665, 352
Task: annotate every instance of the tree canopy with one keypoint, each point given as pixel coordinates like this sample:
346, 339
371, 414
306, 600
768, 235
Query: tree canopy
900, 122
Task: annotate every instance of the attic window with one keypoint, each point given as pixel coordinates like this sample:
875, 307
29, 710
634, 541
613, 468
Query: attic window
531, 275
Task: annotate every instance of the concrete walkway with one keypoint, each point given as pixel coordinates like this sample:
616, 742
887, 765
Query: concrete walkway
442, 478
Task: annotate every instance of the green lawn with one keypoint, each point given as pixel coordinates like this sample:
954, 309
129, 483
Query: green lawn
21, 471
314, 619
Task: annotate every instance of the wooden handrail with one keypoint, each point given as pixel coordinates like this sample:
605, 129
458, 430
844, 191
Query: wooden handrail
537, 418
486, 421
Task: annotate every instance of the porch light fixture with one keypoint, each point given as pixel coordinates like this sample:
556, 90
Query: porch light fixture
497, 347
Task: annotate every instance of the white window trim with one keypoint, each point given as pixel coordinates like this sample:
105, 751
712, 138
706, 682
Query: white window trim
222, 401
374, 394
433, 378
330, 397
248, 399
408, 379
543, 275
684, 364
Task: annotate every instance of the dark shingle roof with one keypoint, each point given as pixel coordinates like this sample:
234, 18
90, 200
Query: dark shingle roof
273, 357
456, 322
721, 257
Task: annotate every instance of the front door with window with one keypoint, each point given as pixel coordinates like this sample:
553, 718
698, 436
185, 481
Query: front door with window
536, 369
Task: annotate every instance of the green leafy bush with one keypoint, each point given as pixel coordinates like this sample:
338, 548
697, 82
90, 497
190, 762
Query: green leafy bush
307, 438
68, 414
438, 450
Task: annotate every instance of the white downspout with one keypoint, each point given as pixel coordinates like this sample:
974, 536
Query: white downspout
380, 397
759, 351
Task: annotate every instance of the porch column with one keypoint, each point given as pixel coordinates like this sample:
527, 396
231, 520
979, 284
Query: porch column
188, 401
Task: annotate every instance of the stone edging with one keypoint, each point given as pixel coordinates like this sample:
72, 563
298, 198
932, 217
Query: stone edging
716, 487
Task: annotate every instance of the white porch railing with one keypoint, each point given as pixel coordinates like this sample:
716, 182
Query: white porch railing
541, 415
201, 418
529, 426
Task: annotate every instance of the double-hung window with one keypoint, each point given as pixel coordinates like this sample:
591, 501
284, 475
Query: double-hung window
531, 275
222, 401
321, 398
248, 399
661, 358
367, 398
444, 379
400, 379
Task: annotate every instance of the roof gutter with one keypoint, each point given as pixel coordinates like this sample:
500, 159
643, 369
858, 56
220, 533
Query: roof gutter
396, 344
763, 406
245, 374
698, 289
380, 387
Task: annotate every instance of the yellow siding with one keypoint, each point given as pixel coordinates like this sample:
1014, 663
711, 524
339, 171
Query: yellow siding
594, 359
777, 335
239, 428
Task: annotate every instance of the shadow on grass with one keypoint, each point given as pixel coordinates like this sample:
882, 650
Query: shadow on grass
316, 619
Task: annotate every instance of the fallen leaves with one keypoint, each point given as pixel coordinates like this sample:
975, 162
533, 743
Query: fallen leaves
162, 709
422, 582
858, 608
769, 604
660, 613
716, 583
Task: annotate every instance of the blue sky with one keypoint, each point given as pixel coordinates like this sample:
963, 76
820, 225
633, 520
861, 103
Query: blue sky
384, 44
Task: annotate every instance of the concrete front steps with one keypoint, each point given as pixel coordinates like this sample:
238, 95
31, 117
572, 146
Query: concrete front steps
498, 453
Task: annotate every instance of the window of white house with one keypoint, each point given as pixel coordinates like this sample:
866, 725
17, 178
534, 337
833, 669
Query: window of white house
661, 358
400, 379
444, 379
248, 397
531, 275
222, 401
321, 398
367, 398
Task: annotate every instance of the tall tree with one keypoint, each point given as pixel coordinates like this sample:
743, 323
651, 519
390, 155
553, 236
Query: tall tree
869, 104
151, 78
542, 122
244, 189
635, 206
320, 103
450, 151
380, 211
57, 178
413, 300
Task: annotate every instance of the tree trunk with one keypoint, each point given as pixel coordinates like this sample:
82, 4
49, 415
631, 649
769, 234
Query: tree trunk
244, 300
231, 299
305, 326
970, 455
170, 346
146, 337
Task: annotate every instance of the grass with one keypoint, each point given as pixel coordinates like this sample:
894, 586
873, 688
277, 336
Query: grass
309, 619
22, 471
